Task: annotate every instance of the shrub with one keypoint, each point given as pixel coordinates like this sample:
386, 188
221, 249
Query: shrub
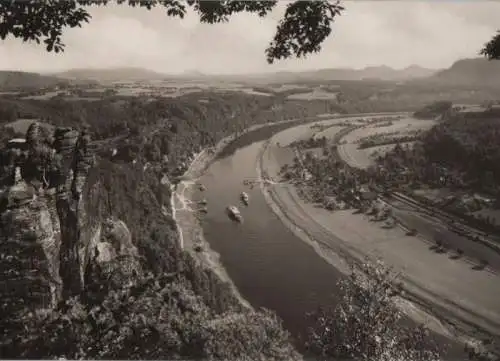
364, 325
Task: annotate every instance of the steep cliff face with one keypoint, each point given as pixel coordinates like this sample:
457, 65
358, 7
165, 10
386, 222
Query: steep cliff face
47, 240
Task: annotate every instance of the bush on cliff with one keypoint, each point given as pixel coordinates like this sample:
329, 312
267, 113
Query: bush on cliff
364, 325
156, 317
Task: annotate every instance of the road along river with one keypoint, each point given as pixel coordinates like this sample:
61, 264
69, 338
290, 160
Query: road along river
269, 262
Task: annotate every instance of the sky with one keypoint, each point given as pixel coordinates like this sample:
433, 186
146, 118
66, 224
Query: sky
432, 34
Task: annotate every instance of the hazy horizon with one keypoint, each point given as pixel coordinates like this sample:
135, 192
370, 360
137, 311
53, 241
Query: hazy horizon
187, 72
369, 33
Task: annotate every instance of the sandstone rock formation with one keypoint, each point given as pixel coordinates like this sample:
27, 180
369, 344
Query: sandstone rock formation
114, 254
47, 238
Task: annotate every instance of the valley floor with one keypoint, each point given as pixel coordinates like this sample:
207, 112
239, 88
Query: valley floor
449, 288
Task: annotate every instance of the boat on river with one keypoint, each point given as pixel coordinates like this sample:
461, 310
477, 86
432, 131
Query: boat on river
234, 214
244, 198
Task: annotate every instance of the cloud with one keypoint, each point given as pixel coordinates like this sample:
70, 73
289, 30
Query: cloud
397, 34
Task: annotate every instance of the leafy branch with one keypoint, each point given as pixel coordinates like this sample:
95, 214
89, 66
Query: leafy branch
306, 24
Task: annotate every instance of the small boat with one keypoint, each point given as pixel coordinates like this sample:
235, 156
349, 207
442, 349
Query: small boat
203, 202
244, 198
202, 187
234, 213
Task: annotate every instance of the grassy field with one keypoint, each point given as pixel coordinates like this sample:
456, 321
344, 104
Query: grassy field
362, 158
329, 133
316, 94
374, 152
44, 96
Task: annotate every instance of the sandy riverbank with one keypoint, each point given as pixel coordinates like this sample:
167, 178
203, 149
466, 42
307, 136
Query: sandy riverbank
342, 236
189, 228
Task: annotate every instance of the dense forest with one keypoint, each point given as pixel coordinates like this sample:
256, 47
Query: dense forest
460, 154
434, 110
461, 151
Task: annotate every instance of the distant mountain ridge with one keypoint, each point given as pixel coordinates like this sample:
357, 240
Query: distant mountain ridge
21, 80
137, 74
475, 71
111, 74
14, 80
382, 72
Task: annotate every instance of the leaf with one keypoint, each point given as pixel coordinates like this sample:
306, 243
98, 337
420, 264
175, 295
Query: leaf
303, 29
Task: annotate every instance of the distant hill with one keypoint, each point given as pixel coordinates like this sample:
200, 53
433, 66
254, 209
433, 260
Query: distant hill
466, 72
112, 74
381, 73
18, 80
478, 72
137, 74
385, 73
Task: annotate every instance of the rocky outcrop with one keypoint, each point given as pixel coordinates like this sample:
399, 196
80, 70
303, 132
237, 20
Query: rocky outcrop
28, 268
47, 238
114, 254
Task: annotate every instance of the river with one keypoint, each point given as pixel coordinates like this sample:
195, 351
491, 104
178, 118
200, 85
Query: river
271, 267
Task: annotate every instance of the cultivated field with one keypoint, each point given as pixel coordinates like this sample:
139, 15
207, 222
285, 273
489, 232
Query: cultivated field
304, 132
330, 132
362, 158
374, 152
317, 93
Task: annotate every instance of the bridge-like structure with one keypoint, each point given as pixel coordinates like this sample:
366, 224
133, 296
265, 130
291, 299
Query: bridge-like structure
251, 182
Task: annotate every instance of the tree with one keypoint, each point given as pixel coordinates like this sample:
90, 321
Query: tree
304, 27
491, 49
153, 317
364, 325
